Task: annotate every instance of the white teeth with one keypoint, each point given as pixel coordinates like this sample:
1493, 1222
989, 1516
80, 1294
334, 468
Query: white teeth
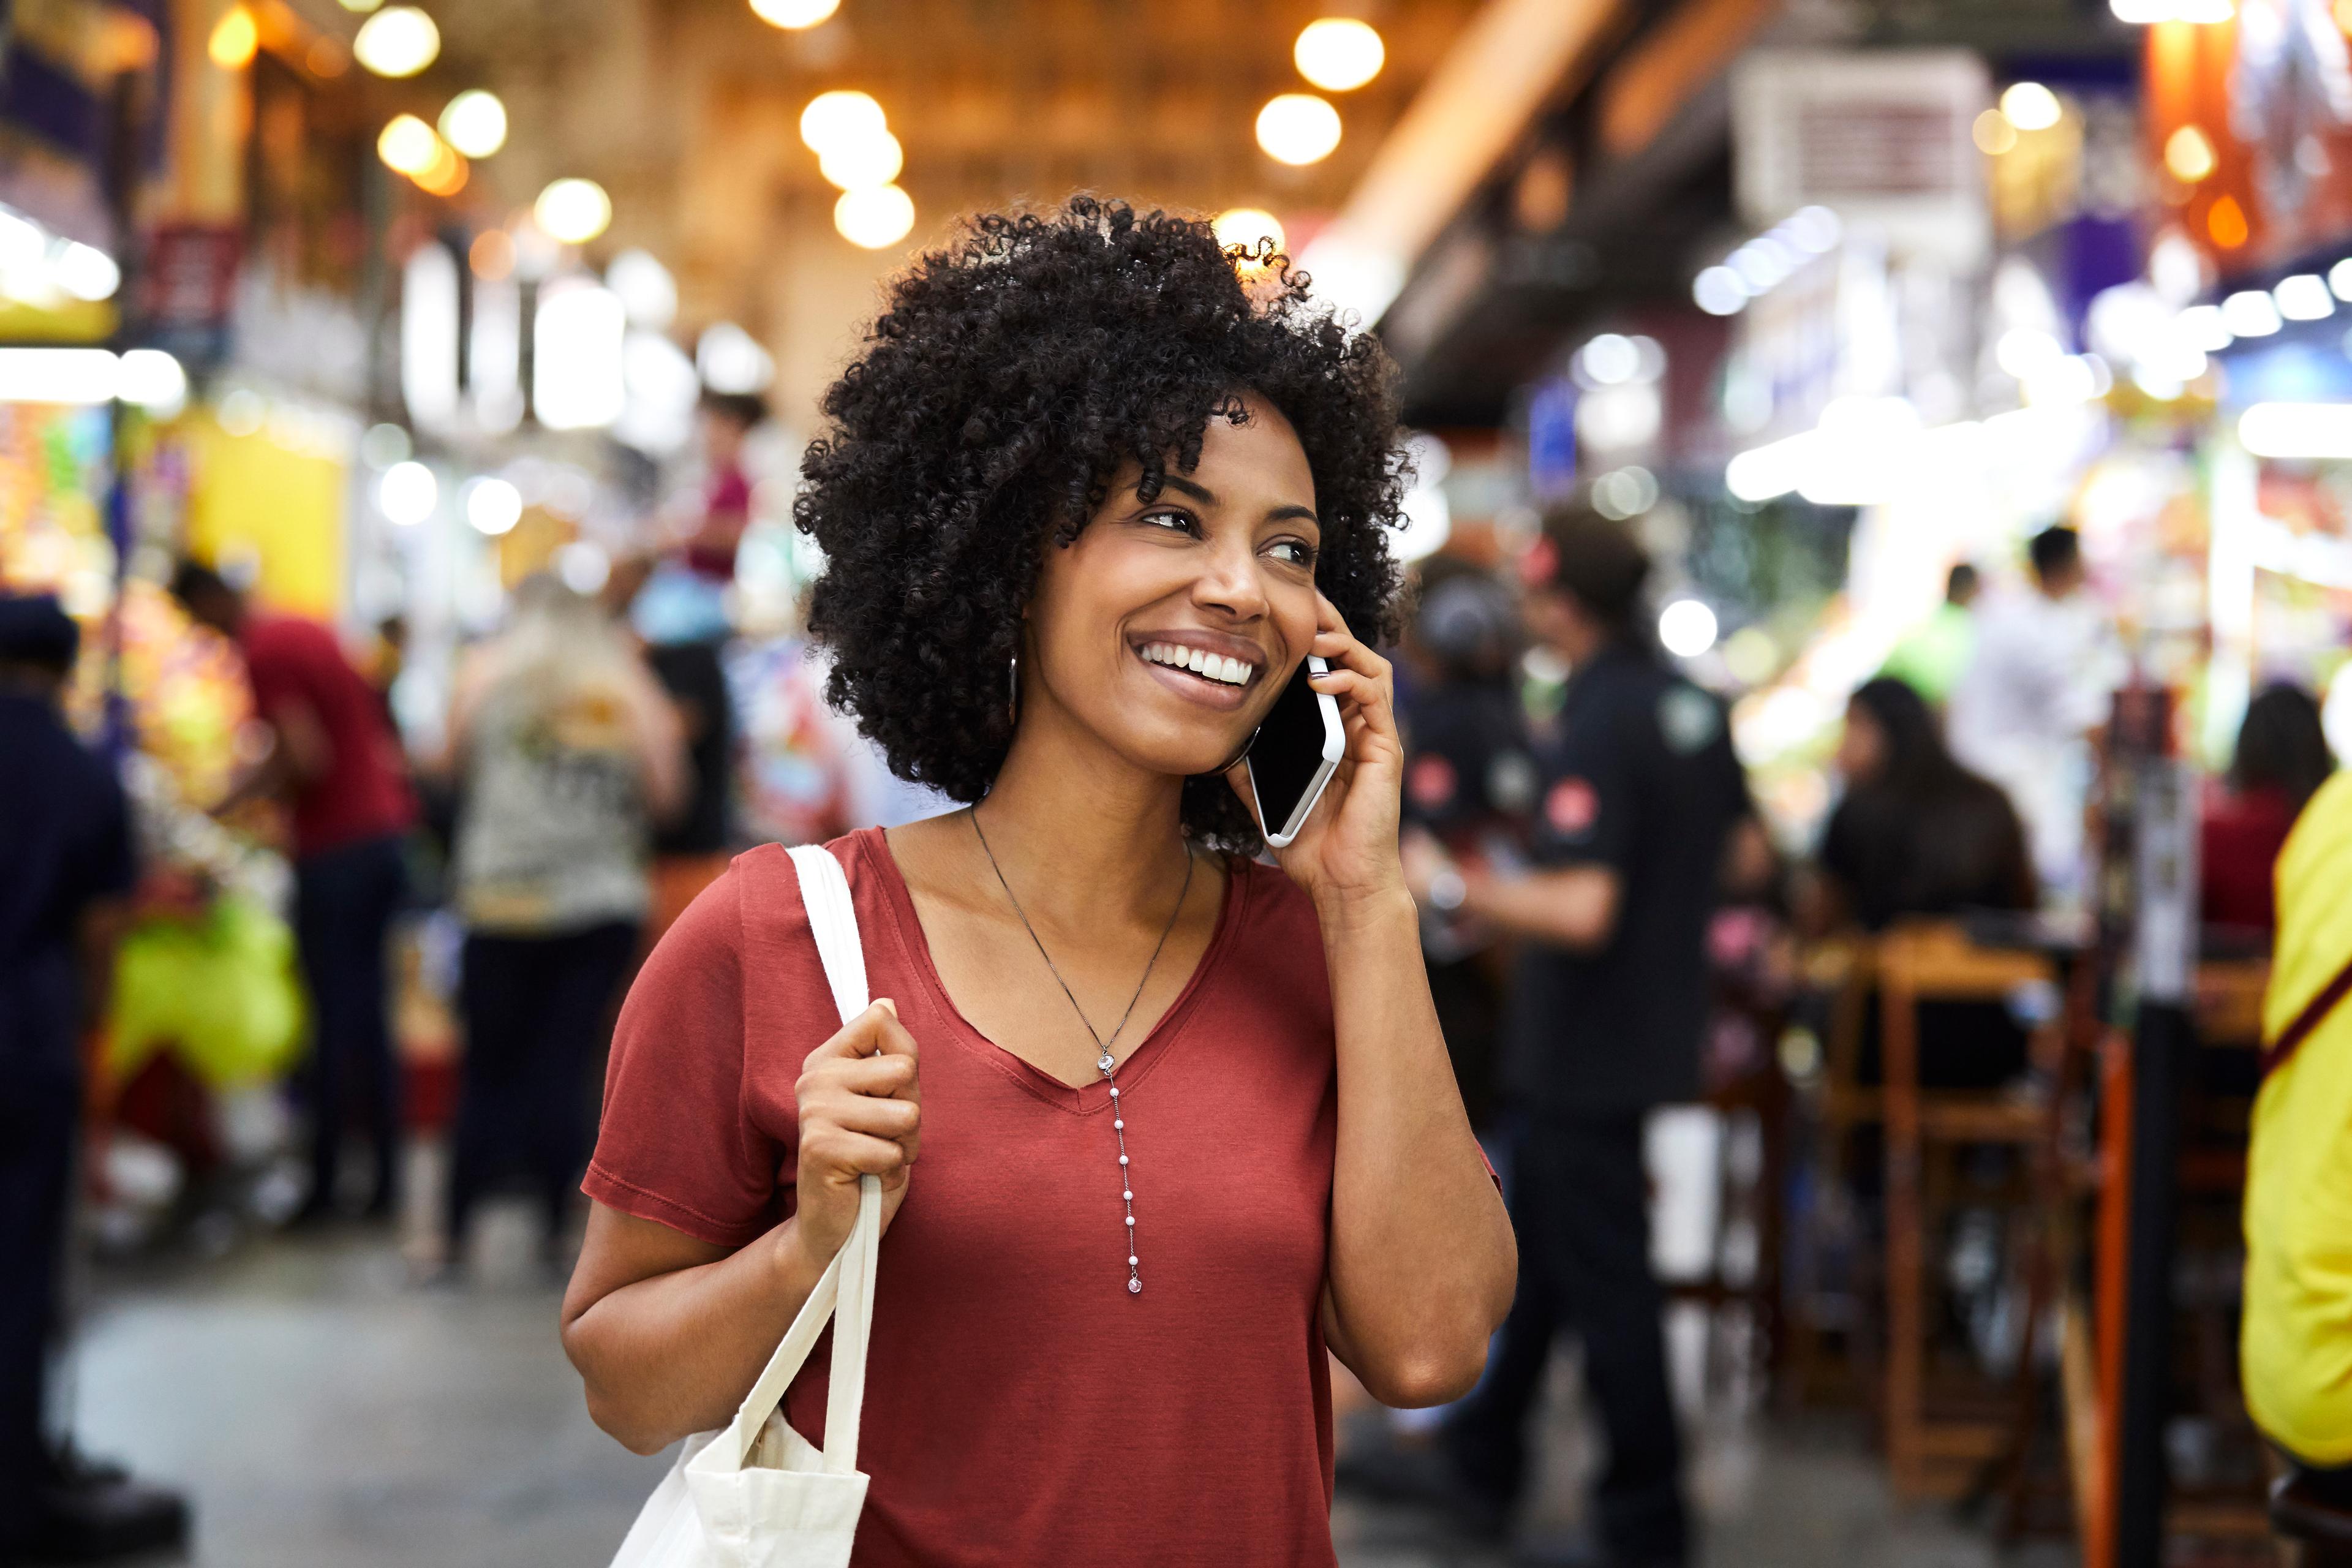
1209, 665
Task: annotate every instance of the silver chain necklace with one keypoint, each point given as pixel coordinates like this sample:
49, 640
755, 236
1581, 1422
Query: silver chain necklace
1105, 1064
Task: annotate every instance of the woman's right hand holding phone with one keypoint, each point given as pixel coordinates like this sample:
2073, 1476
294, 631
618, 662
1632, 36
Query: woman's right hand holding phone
860, 1102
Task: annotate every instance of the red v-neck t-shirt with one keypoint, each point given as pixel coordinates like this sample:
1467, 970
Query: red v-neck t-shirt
1022, 1407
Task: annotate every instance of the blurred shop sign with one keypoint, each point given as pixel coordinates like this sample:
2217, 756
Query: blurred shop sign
187, 292
1880, 137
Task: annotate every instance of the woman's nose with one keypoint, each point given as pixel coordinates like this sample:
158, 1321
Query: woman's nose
1231, 582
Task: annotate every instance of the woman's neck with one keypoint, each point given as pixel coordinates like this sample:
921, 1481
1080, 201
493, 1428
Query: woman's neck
1085, 835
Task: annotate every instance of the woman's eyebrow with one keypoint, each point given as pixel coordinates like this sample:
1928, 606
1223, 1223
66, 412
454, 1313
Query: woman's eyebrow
1207, 497
1185, 487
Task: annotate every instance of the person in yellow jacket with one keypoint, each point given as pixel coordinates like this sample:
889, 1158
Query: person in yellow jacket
2295, 1344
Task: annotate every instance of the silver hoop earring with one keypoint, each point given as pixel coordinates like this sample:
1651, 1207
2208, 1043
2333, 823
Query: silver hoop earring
1012, 692
1234, 760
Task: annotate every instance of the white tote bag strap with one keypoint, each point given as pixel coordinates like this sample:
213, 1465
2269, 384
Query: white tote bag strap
847, 1287
833, 920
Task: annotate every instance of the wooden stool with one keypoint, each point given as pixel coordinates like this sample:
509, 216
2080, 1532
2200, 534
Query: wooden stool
1844, 968
1762, 1094
1939, 1456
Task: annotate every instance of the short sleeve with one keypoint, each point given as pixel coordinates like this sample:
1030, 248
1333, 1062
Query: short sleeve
1585, 810
677, 1145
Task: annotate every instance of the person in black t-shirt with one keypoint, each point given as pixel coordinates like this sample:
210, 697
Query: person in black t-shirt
1469, 780
64, 870
1638, 794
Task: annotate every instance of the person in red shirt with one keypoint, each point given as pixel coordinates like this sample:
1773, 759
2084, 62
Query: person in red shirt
339, 766
728, 420
2280, 761
1186, 1120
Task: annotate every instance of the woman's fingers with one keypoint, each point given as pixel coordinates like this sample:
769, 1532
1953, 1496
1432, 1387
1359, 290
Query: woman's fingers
864, 1082
873, 1032
894, 1119
1367, 694
895, 1039
1334, 640
838, 1153
1344, 652
885, 1076
1367, 679
827, 1106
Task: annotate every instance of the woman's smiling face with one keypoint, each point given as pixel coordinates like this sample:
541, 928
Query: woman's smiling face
1166, 629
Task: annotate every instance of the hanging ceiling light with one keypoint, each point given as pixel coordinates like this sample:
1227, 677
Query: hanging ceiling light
475, 123
575, 211
492, 505
832, 118
874, 217
445, 174
873, 159
794, 15
234, 39
407, 493
1338, 53
1297, 128
397, 41
407, 145
1247, 226
2032, 106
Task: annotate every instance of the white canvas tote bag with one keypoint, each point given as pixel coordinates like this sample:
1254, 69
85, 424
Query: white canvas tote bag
755, 1494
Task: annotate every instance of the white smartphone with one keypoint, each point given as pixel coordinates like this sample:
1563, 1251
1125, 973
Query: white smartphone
1296, 748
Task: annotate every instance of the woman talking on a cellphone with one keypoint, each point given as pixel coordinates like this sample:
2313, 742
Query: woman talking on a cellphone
1157, 1124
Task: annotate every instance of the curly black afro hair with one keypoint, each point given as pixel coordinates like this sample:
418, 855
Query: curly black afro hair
1011, 374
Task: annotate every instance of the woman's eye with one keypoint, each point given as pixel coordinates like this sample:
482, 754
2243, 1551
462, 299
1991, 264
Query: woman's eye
1177, 521
1297, 552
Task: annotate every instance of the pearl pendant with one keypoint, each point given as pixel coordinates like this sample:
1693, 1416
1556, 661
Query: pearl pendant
1105, 1064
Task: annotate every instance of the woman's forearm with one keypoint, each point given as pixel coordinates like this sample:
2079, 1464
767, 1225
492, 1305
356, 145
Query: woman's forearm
675, 1352
1421, 1261
1574, 907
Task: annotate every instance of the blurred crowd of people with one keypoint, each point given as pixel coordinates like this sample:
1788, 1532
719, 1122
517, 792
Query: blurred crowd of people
1578, 827
1594, 876
585, 780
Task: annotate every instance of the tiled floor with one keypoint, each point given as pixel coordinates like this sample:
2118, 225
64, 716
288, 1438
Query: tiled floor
325, 1414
